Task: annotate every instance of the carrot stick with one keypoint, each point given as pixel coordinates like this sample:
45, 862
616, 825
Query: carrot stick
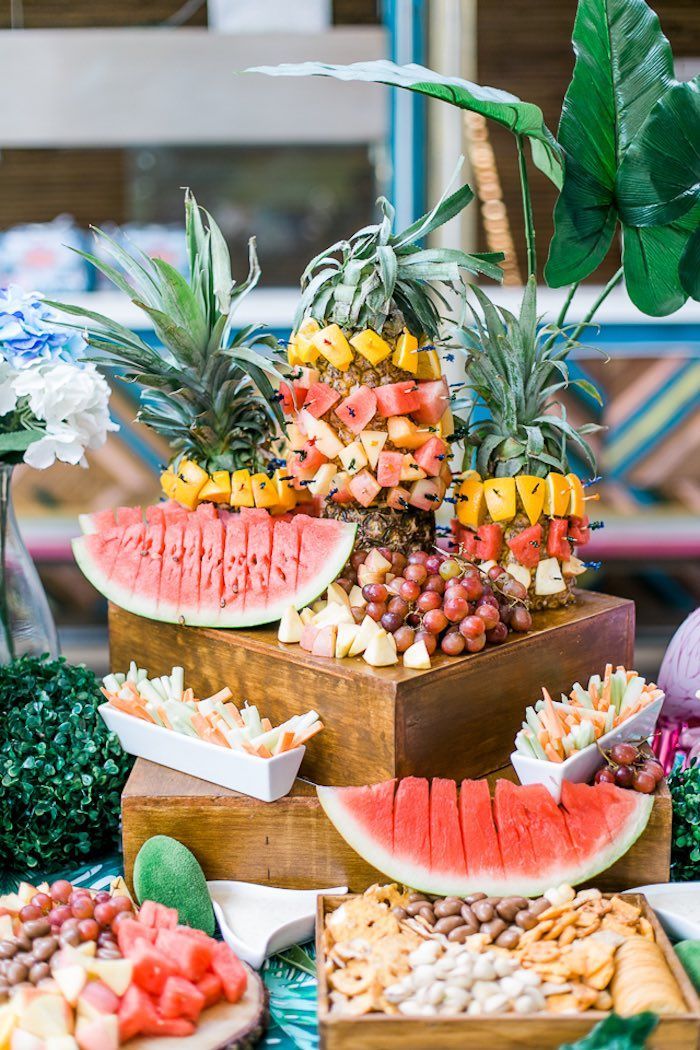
163, 717
552, 718
223, 695
262, 752
285, 743
266, 725
200, 725
188, 695
235, 714
313, 729
551, 754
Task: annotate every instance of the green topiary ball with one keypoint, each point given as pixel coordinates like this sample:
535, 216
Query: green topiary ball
165, 871
61, 769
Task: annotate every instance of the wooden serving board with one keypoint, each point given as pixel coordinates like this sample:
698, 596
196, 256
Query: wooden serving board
459, 719
291, 843
544, 1031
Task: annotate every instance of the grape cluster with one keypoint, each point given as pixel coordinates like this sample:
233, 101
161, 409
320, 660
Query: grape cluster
443, 601
628, 767
77, 915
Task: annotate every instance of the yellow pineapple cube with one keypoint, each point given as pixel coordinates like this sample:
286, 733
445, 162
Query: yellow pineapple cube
190, 479
242, 489
471, 505
264, 490
353, 457
218, 488
557, 495
531, 491
406, 352
428, 365
372, 347
331, 343
499, 494
577, 498
167, 482
301, 350
286, 494
373, 441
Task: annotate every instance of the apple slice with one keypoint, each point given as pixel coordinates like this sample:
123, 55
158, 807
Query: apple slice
376, 562
356, 598
367, 631
373, 442
520, 573
336, 594
417, 657
333, 615
381, 651
99, 1033
291, 626
22, 1040
548, 577
71, 980
47, 1015
365, 576
306, 616
347, 633
324, 642
97, 999
6, 927
573, 566
61, 1042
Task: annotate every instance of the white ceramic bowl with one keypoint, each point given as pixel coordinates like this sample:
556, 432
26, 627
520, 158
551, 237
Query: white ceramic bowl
677, 905
582, 765
264, 778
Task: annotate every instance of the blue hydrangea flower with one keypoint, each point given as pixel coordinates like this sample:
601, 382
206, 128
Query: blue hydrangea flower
29, 333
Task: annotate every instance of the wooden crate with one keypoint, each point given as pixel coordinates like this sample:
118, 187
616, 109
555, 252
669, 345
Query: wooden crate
458, 719
507, 1032
292, 843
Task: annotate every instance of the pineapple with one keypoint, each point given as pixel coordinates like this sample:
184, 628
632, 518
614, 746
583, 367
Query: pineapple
522, 506
368, 323
206, 389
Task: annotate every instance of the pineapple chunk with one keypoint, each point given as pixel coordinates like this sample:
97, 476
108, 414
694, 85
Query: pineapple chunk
371, 346
471, 506
301, 350
499, 494
428, 365
241, 489
218, 488
264, 490
557, 495
291, 626
548, 577
167, 482
347, 633
332, 344
323, 479
406, 352
381, 650
190, 479
577, 498
417, 657
520, 573
336, 595
410, 470
353, 457
373, 442
286, 495
531, 491
367, 631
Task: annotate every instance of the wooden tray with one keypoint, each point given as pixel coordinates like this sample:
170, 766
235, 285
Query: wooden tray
457, 720
292, 843
508, 1032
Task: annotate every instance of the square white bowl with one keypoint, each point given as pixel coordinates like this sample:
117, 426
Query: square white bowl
582, 765
264, 778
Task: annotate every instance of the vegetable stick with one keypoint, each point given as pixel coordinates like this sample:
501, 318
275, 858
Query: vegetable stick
552, 755
315, 728
233, 715
266, 725
163, 717
285, 743
188, 695
222, 696
262, 752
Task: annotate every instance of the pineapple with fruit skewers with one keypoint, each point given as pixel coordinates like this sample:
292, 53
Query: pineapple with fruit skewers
368, 396
206, 389
523, 507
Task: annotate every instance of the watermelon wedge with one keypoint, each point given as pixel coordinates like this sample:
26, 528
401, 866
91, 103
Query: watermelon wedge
523, 845
217, 568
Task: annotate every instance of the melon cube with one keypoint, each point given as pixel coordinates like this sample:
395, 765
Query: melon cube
432, 400
295, 436
410, 471
353, 457
332, 344
398, 399
323, 480
324, 642
431, 456
327, 440
364, 487
398, 497
339, 492
427, 494
404, 433
320, 398
373, 441
390, 468
357, 409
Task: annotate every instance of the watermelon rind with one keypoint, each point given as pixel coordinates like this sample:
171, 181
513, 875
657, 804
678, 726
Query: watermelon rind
336, 559
418, 877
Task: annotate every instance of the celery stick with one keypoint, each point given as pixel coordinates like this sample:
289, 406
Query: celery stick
228, 717
632, 693
569, 744
120, 677
177, 679
153, 712
581, 695
532, 720
147, 690
111, 684
524, 745
205, 707
609, 719
141, 674
537, 748
251, 717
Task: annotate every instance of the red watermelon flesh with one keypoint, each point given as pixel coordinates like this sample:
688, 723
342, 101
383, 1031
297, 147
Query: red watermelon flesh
211, 578
358, 409
433, 400
233, 595
128, 516
511, 855
155, 515
446, 850
319, 398
284, 561
99, 521
169, 591
258, 555
174, 511
397, 399
479, 835
191, 563
151, 567
526, 546
128, 560
104, 547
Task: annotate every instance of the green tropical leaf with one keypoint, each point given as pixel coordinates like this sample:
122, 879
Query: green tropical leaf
652, 260
522, 118
623, 66
689, 268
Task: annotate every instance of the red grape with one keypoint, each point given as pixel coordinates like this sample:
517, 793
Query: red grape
453, 643
357, 558
644, 782
624, 754
450, 569
473, 587
413, 619
434, 621
391, 622
624, 776
83, 908
104, 913
605, 776
475, 645
471, 627
358, 614
397, 605
119, 918
520, 619
404, 638
102, 896
435, 583
458, 590
417, 558
386, 552
497, 634
417, 573
495, 572
58, 915
455, 609
653, 767
398, 562
43, 902
345, 583
88, 929
122, 904
376, 610
429, 639
506, 614
514, 589
409, 590
489, 599
374, 592
428, 600
29, 912
433, 563
488, 614
60, 891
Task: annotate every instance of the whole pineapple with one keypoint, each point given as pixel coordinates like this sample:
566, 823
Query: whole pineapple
369, 409
522, 507
205, 389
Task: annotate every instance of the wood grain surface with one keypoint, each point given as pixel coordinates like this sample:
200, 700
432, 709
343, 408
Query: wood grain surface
507, 1032
291, 842
457, 719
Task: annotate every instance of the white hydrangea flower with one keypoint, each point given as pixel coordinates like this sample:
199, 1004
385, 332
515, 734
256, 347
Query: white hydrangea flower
8, 394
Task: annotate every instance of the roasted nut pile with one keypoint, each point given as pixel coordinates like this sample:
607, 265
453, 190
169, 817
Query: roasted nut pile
501, 920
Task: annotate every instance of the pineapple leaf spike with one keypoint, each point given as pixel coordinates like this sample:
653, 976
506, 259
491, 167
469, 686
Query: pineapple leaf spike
207, 388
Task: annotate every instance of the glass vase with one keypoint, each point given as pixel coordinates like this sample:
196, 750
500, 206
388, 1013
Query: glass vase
26, 623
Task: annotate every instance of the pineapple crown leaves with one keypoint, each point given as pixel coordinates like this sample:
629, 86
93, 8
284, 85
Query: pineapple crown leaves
357, 282
515, 368
207, 387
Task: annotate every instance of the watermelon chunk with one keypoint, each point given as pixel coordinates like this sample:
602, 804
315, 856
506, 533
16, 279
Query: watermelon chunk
211, 580
284, 561
191, 955
389, 467
304, 463
211, 988
181, 998
229, 968
397, 399
162, 1027
137, 1012
479, 836
489, 542
526, 546
292, 397
357, 410
128, 516
412, 821
320, 398
191, 565
513, 830
579, 530
258, 555
431, 456
128, 561
234, 567
467, 542
446, 849
157, 916
558, 545
152, 967
433, 401
129, 931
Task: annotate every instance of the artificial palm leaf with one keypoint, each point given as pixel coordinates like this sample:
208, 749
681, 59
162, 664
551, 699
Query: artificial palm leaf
522, 118
689, 268
205, 389
652, 258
